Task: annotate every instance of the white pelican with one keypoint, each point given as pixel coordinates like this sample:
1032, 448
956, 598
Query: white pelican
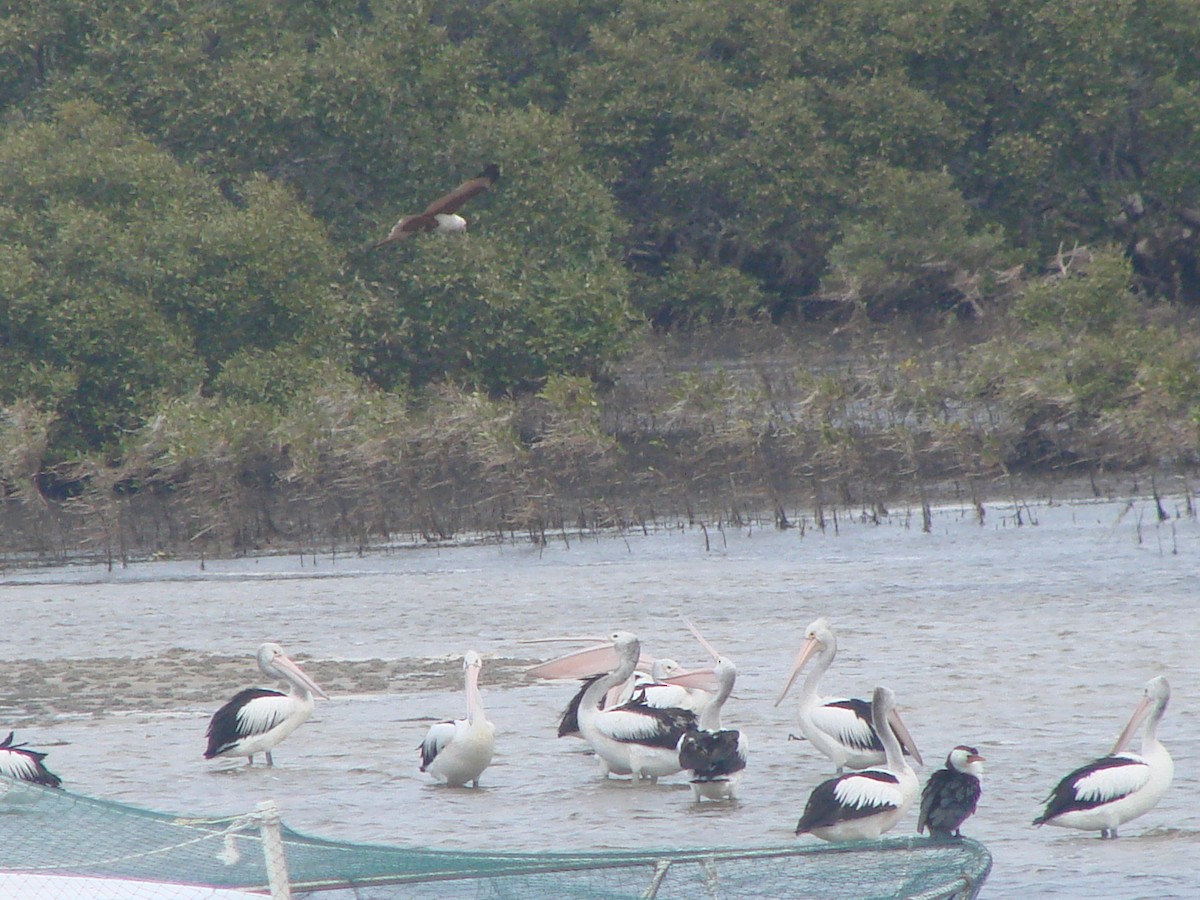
256, 720
839, 728
1112, 790
951, 794
863, 805
715, 756
22, 764
665, 689
652, 689
459, 751
630, 739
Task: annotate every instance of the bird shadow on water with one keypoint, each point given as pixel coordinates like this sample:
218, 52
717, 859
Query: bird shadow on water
1155, 835
710, 809
240, 769
461, 790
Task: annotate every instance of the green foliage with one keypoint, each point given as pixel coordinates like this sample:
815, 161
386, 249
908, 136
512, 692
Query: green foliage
907, 242
260, 276
533, 289
1090, 372
698, 294
130, 278
182, 186
531, 47
483, 316
24, 439
573, 411
1091, 294
278, 377
333, 97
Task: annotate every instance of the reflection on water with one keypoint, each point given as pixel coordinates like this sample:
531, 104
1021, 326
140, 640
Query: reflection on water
1031, 643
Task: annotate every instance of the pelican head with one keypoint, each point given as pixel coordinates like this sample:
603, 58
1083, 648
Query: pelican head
276, 664
608, 653
819, 637
1153, 704
884, 716
665, 668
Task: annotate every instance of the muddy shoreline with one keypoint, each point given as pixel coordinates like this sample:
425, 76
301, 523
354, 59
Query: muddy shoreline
753, 508
39, 691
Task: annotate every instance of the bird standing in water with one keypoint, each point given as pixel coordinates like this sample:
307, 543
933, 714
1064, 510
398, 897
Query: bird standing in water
257, 720
715, 756
951, 794
861, 806
840, 728
457, 752
1112, 790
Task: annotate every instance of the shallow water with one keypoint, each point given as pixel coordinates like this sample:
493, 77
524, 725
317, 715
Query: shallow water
1031, 642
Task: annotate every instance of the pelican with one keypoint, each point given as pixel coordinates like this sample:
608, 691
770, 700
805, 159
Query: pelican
841, 729
669, 687
715, 756
950, 794
22, 764
654, 688
256, 720
863, 805
1112, 790
459, 751
630, 739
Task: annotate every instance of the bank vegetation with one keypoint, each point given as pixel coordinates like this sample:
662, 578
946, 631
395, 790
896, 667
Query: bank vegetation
760, 261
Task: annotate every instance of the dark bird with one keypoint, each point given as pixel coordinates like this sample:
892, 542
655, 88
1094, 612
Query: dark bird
715, 756
440, 216
716, 760
1112, 790
950, 794
22, 764
256, 720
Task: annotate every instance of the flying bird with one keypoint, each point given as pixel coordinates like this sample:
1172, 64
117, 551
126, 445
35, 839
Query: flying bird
20, 763
441, 216
951, 794
256, 720
457, 752
1112, 790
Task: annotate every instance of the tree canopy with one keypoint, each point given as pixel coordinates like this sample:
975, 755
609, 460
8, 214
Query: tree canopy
186, 189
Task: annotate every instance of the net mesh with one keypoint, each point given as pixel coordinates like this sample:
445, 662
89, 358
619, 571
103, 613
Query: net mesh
56, 833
